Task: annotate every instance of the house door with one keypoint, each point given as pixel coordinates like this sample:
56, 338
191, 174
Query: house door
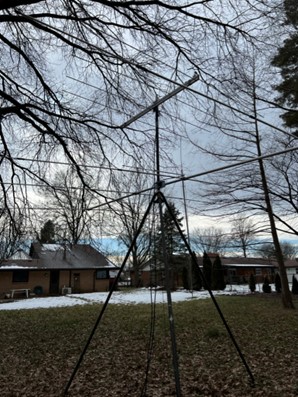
76, 283
54, 282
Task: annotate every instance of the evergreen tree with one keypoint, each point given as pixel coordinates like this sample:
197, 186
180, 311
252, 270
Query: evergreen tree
252, 283
291, 10
47, 233
173, 241
287, 60
277, 282
217, 280
196, 277
207, 270
294, 285
185, 278
266, 286
174, 245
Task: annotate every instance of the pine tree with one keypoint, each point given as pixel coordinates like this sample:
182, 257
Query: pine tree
217, 281
277, 282
185, 278
294, 285
287, 60
291, 10
173, 241
207, 271
47, 233
252, 283
174, 245
266, 286
196, 277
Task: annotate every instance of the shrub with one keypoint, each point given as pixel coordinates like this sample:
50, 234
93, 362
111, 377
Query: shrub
266, 286
277, 282
218, 282
185, 278
252, 283
196, 277
207, 271
294, 285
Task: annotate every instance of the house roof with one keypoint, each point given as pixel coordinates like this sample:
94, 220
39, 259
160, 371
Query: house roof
247, 262
291, 263
77, 256
14, 265
20, 255
250, 265
156, 264
257, 262
242, 262
152, 265
226, 262
56, 256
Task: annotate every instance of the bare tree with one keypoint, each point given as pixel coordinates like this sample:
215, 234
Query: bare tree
286, 295
67, 201
73, 72
12, 234
267, 250
210, 240
284, 179
243, 233
248, 187
127, 214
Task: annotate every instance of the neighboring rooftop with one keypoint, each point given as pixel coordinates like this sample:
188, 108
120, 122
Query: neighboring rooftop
20, 255
66, 256
56, 256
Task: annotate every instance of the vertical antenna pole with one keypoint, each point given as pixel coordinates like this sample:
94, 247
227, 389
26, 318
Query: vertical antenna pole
175, 360
190, 280
156, 111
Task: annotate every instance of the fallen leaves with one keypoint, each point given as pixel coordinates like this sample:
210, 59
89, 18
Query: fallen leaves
40, 348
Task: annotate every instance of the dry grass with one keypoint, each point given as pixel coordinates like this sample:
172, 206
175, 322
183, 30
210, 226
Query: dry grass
39, 349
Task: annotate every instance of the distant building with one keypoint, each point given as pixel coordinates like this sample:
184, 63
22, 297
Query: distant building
236, 270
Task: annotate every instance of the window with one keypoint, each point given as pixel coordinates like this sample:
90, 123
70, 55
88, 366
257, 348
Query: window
258, 271
20, 276
101, 274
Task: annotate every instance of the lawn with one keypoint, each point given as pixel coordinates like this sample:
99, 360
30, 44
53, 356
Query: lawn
39, 349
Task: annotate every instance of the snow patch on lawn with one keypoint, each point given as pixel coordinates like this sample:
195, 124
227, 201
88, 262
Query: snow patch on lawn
136, 296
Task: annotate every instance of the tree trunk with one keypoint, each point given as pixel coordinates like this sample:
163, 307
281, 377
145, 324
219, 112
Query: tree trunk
285, 291
135, 265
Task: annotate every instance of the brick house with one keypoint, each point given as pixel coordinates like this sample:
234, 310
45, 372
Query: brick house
52, 269
152, 272
291, 266
237, 270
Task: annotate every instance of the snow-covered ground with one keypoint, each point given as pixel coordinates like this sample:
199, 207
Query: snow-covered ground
142, 295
